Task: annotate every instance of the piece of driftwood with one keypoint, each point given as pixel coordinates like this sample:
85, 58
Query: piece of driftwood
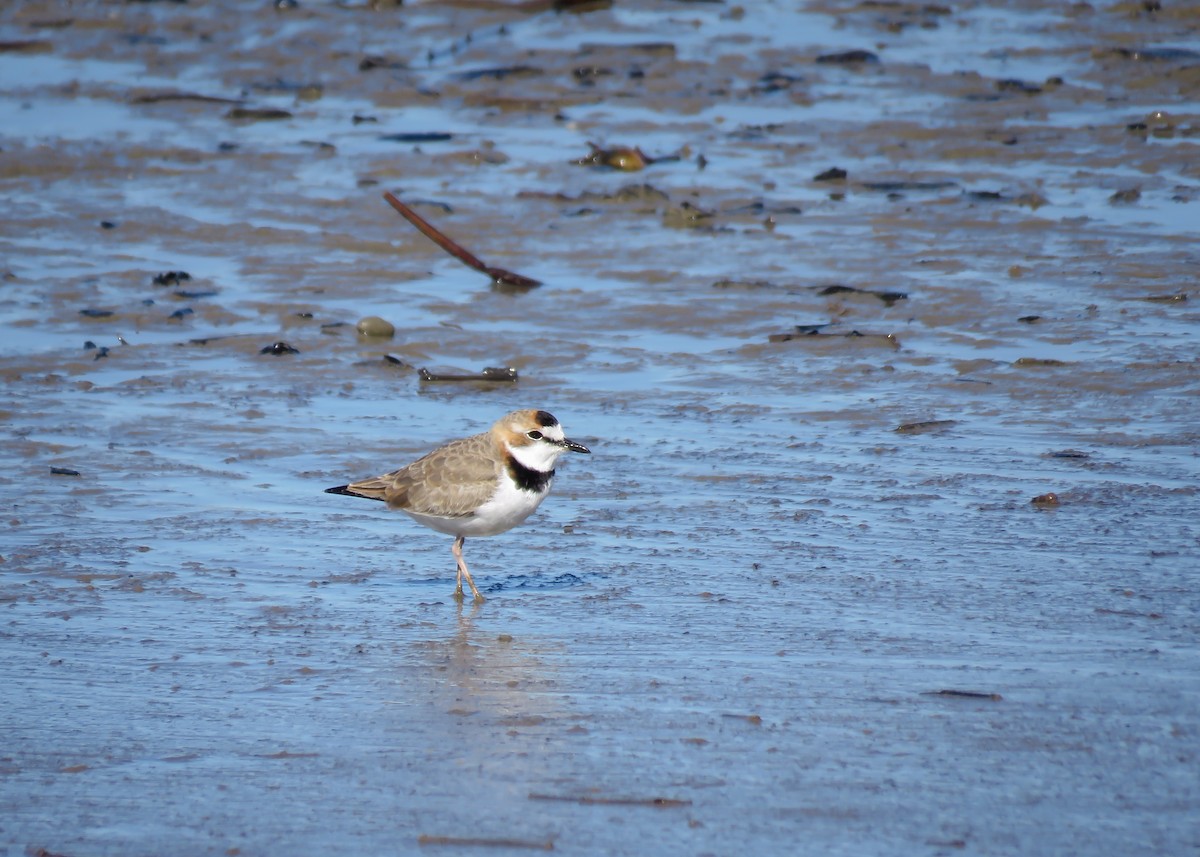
499, 276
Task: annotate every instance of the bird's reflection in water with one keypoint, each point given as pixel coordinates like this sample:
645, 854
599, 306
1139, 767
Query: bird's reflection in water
492, 690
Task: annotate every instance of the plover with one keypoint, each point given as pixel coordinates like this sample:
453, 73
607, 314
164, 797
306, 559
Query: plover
476, 486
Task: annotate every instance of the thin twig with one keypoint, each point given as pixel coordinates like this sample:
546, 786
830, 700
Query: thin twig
431, 232
498, 275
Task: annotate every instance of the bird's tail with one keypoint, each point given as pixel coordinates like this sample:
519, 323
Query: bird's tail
355, 491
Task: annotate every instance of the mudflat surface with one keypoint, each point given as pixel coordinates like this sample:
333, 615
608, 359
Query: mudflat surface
890, 272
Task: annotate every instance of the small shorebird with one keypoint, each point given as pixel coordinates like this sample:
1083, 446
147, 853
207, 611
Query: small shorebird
476, 486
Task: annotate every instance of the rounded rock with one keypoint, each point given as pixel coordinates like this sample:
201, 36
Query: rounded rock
376, 327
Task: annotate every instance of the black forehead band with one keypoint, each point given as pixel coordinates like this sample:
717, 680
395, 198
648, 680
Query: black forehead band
545, 419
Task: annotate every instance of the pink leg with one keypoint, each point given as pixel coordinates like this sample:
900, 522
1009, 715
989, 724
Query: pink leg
463, 571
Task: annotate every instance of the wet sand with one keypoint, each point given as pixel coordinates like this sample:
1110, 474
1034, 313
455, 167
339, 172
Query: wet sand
800, 596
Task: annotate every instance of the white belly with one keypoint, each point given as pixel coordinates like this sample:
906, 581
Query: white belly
508, 507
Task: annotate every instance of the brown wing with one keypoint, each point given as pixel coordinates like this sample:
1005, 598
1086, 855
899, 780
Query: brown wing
450, 482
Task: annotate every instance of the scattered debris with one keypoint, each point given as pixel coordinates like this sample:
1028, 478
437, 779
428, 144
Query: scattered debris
1164, 54
1021, 87
1105, 611
888, 298
159, 97
375, 61
490, 374
833, 174
814, 332
964, 694
501, 73
856, 57
686, 216
26, 46
625, 158
1068, 453
1127, 196
901, 186
1039, 361
486, 841
631, 193
752, 719
924, 426
257, 114
662, 802
628, 159
418, 137
388, 361
171, 278
745, 285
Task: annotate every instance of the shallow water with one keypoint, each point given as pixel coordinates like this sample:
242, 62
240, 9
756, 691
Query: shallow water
747, 600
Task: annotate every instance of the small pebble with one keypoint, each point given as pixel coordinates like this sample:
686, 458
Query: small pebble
833, 174
171, 278
376, 327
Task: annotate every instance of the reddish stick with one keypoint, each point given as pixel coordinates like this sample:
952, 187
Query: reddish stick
498, 275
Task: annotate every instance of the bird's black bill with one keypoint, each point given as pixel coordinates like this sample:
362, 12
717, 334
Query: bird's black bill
576, 447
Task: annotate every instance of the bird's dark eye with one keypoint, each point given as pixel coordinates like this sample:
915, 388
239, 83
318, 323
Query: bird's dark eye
534, 435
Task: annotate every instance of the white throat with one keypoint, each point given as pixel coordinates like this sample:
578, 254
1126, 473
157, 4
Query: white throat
538, 455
